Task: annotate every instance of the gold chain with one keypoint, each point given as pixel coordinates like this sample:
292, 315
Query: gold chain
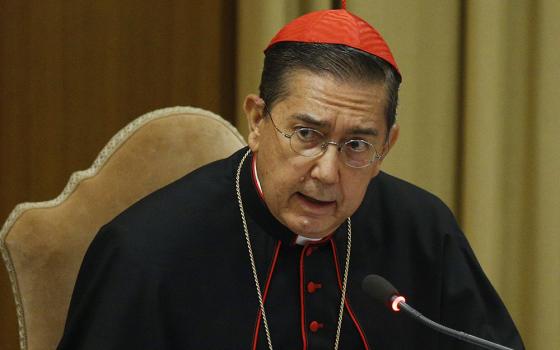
254, 268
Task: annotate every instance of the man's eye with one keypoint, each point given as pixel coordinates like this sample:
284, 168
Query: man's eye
308, 135
357, 145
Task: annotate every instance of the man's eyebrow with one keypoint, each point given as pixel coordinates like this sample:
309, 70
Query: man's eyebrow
364, 131
306, 118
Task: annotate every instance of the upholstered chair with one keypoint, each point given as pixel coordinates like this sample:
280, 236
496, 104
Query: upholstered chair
43, 244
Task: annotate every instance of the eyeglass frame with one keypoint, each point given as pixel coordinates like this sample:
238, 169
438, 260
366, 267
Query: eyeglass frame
324, 145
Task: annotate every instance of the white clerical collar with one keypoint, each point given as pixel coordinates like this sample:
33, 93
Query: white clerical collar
300, 240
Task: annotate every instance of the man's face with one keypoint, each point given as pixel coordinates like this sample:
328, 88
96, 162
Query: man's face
313, 196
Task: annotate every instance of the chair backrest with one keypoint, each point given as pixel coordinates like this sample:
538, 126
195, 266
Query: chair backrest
43, 244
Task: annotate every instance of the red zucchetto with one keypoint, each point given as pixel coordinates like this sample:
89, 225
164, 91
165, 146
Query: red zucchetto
335, 27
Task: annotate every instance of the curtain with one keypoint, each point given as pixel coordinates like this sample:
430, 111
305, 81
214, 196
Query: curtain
478, 127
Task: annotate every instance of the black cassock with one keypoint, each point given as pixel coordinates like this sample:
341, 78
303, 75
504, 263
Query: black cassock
173, 272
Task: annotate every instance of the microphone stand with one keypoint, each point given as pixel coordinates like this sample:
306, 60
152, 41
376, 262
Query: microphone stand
409, 310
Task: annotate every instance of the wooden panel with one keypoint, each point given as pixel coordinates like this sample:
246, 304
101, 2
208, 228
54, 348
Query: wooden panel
72, 73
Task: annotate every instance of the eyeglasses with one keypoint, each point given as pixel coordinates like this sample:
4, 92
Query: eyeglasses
309, 142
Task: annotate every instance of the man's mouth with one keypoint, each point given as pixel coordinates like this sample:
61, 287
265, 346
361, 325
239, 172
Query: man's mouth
318, 201
316, 206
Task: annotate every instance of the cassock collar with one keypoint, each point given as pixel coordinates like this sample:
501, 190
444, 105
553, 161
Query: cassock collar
300, 240
257, 209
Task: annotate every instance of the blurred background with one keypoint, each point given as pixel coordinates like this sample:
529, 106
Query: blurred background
477, 111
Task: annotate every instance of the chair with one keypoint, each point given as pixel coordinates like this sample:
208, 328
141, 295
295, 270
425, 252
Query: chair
43, 244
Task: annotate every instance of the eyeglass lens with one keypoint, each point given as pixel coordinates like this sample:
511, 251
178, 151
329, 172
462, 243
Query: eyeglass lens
310, 143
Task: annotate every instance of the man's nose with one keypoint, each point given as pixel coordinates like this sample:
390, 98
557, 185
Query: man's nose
327, 165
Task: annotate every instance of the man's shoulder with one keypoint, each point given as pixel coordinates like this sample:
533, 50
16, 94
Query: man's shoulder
394, 189
194, 190
392, 199
179, 211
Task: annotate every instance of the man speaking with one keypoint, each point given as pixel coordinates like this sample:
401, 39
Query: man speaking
267, 249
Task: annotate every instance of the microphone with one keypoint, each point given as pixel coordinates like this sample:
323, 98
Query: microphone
383, 291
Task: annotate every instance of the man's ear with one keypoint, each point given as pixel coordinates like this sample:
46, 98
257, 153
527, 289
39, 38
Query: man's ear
254, 111
393, 137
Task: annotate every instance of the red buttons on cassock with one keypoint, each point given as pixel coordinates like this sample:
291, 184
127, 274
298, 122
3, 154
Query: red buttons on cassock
314, 326
312, 287
310, 251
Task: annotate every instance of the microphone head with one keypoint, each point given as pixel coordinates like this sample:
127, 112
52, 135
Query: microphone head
379, 288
